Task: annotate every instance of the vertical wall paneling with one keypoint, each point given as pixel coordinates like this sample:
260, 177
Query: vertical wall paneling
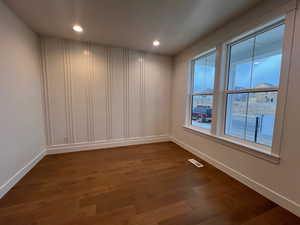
134, 94
147, 96
79, 82
108, 95
45, 94
68, 92
125, 92
117, 93
94, 93
100, 93
55, 80
91, 93
142, 95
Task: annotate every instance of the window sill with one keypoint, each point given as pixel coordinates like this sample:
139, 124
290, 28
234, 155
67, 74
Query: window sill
259, 152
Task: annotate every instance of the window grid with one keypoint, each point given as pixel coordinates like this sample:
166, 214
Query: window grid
270, 153
248, 91
221, 90
200, 93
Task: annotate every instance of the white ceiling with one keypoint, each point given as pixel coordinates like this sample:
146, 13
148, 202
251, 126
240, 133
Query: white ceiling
130, 23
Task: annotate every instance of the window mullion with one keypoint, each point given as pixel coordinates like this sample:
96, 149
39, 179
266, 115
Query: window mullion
217, 107
203, 93
252, 66
246, 119
253, 90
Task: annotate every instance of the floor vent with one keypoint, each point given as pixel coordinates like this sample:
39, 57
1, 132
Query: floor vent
196, 163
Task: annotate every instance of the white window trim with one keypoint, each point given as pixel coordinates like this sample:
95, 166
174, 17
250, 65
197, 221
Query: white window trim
226, 91
191, 93
271, 154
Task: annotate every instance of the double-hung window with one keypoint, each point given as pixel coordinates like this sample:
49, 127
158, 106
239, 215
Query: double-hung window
253, 75
239, 101
203, 69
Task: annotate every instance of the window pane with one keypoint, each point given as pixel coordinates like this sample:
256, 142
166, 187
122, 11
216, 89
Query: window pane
254, 63
240, 67
202, 111
267, 58
251, 116
261, 117
236, 115
204, 73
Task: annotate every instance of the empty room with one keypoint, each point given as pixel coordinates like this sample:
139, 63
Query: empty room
149, 112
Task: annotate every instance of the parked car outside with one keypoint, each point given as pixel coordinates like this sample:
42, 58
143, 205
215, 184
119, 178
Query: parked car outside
202, 114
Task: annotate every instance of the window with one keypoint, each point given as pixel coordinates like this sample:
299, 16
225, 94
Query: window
203, 78
254, 65
242, 103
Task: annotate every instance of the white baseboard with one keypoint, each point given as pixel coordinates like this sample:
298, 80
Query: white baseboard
20, 174
281, 200
58, 149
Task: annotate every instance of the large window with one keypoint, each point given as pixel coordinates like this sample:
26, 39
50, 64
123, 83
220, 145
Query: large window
203, 69
254, 66
238, 93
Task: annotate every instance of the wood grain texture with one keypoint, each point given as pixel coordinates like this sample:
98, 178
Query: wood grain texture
137, 185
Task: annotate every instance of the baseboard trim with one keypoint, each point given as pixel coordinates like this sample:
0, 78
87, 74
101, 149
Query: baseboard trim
20, 174
59, 149
281, 200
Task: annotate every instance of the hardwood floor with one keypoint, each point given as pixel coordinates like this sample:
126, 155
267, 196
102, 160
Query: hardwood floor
137, 185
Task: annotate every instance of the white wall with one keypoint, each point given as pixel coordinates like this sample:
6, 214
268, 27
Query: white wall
96, 94
21, 119
279, 182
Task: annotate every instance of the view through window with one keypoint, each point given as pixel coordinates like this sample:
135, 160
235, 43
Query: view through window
202, 90
253, 82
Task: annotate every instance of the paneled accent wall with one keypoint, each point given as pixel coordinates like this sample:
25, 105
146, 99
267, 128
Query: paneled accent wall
94, 93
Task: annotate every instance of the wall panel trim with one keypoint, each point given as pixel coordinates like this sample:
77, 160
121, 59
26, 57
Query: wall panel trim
108, 88
94, 92
126, 93
112, 143
68, 91
48, 127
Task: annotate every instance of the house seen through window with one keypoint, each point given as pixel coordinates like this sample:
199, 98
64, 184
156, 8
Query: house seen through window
253, 82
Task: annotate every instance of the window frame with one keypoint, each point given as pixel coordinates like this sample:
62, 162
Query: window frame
201, 93
217, 133
227, 91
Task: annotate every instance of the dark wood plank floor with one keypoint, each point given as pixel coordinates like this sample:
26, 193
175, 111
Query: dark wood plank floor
138, 185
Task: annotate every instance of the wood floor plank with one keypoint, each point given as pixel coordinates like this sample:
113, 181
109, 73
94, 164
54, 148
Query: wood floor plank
137, 185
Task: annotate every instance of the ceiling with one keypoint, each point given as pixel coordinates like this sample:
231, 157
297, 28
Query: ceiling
130, 23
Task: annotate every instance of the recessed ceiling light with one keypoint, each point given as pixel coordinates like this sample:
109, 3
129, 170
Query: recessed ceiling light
77, 28
156, 43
